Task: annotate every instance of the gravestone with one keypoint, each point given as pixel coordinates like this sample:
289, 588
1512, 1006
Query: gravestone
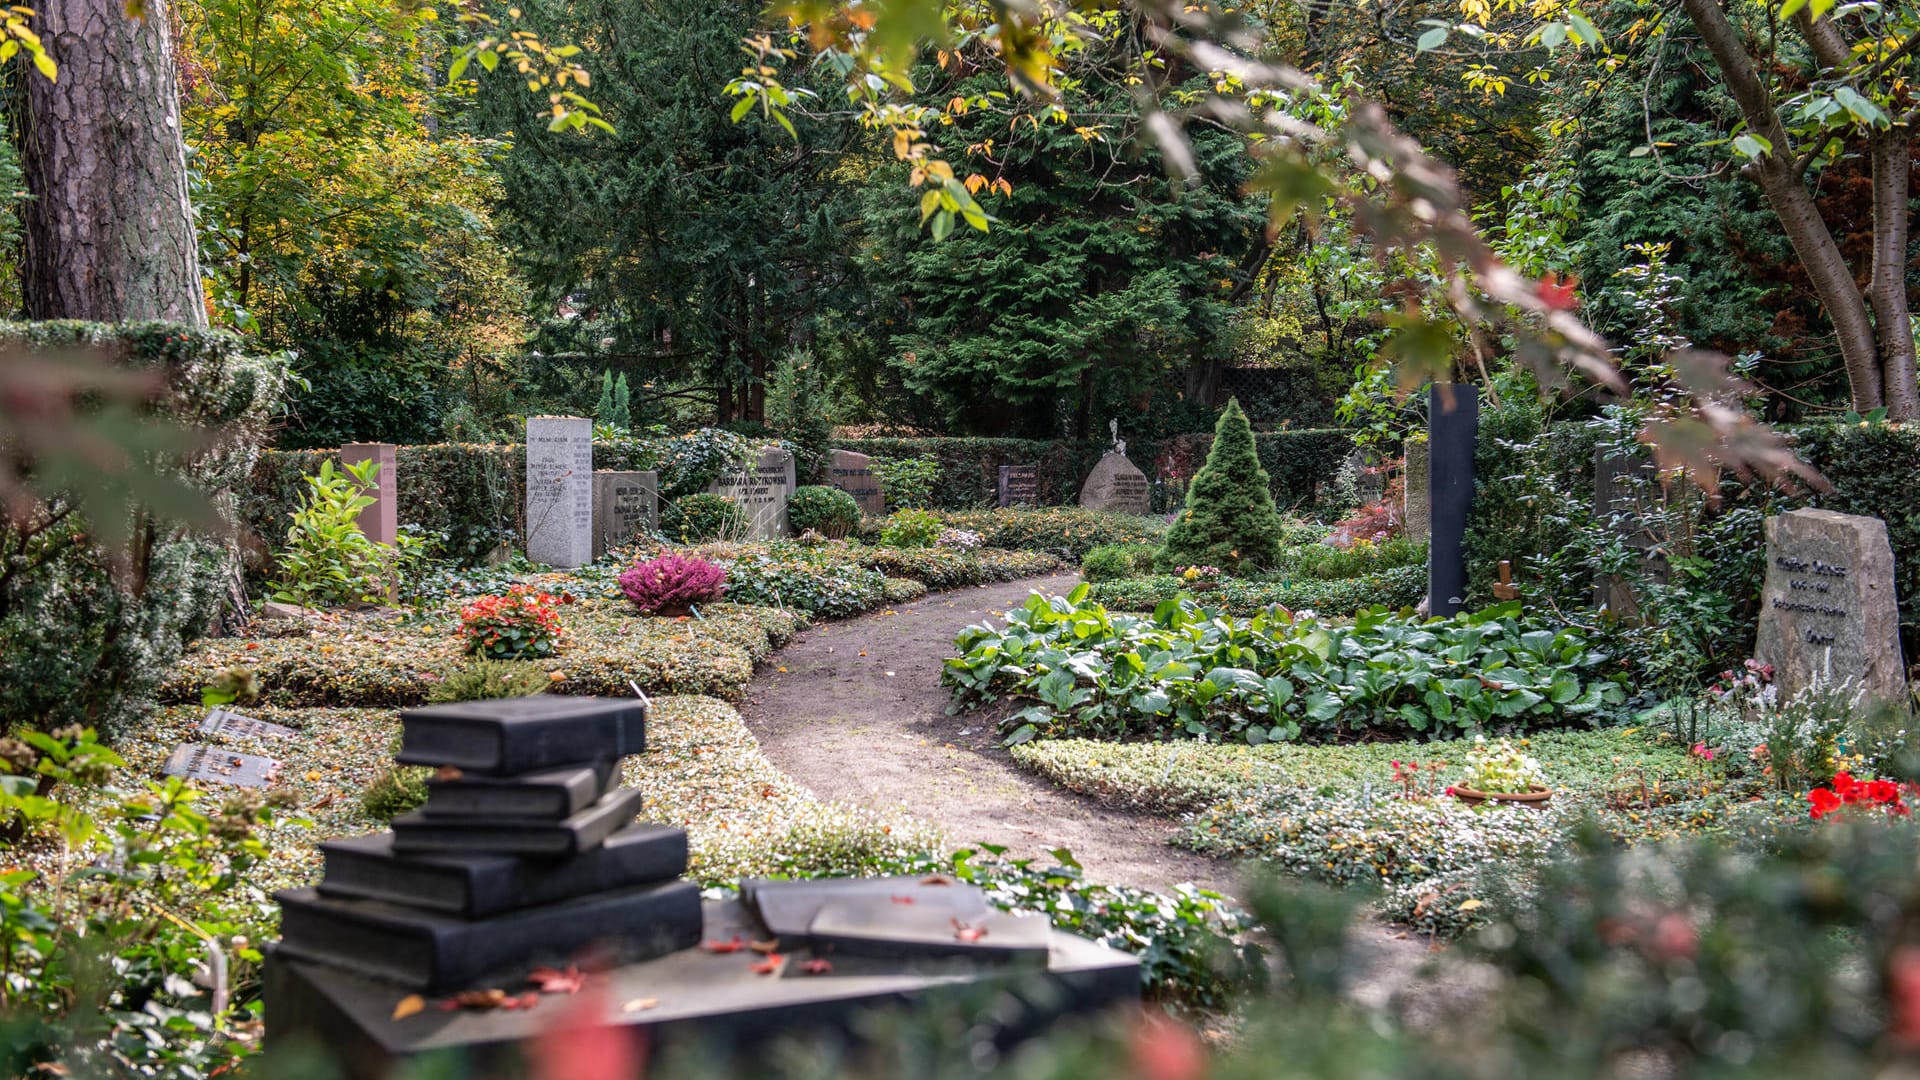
761, 491
1369, 484
1828, 614
625, 504
380, 521
1621, 484
560, 490
853, 474
1116, 485
1019, 485
223, 722
1417, 509
1453, 423
197, 761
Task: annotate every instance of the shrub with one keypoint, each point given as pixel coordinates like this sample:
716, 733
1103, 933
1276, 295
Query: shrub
1394, 589
1110, 562
959, 539
910, 529
944, 568
1229, 520
486, 679
903, 590
328, 560
672, 583
826, 510
394, 792
519, 625
907, 482
811, 581
1066, 532
1328, 563
1188, 671
702, 516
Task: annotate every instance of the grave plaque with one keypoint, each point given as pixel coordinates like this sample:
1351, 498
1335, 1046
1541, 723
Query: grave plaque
853, 474
1417, 510
625, 504
1019, 485
223, 722
1828, 615
761, 491
560, 490
210, 764
381, 521
1116, 485
1453, 421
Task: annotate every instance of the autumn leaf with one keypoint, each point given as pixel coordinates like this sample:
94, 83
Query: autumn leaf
817, 966
476, 999
733, 946
963, 932
408, 1005
774, 962
555, 981
936, 880
766, 948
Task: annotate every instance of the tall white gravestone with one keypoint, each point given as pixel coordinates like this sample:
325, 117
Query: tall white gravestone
761, 490
560, 490
1827, 612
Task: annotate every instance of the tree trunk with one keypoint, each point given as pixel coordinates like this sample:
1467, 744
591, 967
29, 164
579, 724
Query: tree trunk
109, 230
1892, 153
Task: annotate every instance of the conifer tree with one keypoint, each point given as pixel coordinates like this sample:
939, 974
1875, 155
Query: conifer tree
622, 414
1229, 521
603, 409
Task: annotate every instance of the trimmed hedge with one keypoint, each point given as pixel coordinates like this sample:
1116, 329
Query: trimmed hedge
1402, 587
1067, 533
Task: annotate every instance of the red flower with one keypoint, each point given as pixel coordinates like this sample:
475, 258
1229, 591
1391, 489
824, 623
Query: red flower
1557, 291
1824, 802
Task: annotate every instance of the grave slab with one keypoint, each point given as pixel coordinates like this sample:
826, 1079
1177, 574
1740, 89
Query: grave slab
1828, 614
225, 722
625, 504
210, 764
1019, 485
1116, 485
853, 473
560, 490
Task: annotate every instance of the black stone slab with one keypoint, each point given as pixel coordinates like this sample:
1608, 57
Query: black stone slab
786, 909
477, 886
414, 833
210, 764
1453, 421
876, 926
513, 736
698, 1000
1019, 485
437, 953
225, 722
552, 795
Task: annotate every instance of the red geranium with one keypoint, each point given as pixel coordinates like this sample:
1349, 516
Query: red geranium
1846, 791
518, 626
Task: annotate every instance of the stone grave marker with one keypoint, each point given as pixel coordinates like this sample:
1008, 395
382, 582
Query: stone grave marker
1019, 485
1828, 614
197, 761
1621, 482
1453, 421
225, 722
1416, 509
560, 490
761, 491
853, 473
381, 521
1116, 485
1369, 484
624, 505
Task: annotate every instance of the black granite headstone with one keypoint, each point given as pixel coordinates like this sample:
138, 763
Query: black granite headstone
1019, 485
1453, 421
224, 722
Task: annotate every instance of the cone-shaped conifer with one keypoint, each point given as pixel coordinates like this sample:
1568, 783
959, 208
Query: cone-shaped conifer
1229, 520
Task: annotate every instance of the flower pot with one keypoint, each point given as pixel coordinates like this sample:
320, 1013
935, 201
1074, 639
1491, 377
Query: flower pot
1535, 799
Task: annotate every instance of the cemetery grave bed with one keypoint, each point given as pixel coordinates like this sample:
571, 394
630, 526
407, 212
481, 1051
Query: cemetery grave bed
1401, 587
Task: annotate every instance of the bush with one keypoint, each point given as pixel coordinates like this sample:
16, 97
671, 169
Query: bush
702, 516
394, 792
826, 510
903, 590
910, 529
483, 680
1229, 520
672, 583
812, 581
1394, 590
1110, 562
519, 625
907, 483
1325, 562
328, 560
1188, 671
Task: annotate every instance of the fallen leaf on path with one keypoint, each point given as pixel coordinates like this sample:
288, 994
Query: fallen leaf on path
408, 1005
817, 967
733, 946
774, 962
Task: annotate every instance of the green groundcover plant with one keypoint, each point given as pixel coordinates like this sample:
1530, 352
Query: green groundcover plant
1189, 671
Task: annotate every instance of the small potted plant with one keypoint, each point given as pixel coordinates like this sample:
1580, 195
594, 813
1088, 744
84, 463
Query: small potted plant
1500, 772
1200, 578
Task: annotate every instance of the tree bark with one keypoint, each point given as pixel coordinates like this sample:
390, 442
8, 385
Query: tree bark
109, 230
1779, 176
1892, 153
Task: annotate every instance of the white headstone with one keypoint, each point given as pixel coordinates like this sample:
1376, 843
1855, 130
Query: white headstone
560, 490
761, 490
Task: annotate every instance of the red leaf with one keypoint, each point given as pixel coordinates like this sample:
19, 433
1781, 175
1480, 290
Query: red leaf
936, 880
555, 981
902, 899
774, 962
817, 967
733, 946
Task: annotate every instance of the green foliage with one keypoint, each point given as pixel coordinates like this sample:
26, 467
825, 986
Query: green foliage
1324, 562
910, 529
946, 568
484, 679
603, 409
1229, 521
621, 415
328, 560
809, 580
1392, 589
394, 792
1067, 533
908, 482
702, 516
826, 510
797, 406
1188, 671
1110, 562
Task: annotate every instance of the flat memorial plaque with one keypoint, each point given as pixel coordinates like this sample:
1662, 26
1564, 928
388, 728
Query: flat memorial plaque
787, 908
197, 761
879, 926
223, 722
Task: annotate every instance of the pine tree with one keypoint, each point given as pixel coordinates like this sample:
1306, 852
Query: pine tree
622, 413
1229, 520
603, 409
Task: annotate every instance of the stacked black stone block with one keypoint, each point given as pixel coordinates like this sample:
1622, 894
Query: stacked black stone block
525, 853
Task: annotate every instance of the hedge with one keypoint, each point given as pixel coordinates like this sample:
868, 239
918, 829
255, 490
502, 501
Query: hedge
1401, 587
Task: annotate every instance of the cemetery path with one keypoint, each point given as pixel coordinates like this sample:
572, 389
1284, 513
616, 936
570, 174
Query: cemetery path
855, 712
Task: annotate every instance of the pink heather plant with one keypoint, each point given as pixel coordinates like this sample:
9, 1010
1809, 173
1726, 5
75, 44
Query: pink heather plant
672, 583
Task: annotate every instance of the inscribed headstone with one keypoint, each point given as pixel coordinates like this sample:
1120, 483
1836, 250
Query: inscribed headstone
1417, 509
1453, 424
625, 504
1828, 614
1116, 485
1369, 484
560, 490
380, 521
761, 491
1625, 489
853, 474
197, 761
1019, 485
223, 722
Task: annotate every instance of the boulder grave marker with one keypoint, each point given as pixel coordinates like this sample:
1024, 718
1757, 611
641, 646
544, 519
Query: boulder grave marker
1828, 614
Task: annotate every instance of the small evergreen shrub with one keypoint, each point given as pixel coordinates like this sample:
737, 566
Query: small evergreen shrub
484, 680
826, 510
394, 792
908, 482
1111, 562
702, 516
1229, 520
672, 583
521, 625
911, 529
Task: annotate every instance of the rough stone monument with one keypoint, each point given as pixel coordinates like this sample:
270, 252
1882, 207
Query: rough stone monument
853, 474
1453, 423
560, 490
625, 504
1828, 614
1116, 484
381, 521
1417, 508
761, 490
1019, 485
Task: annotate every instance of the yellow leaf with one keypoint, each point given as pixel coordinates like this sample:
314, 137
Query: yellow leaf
1469, 905
409, 1005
